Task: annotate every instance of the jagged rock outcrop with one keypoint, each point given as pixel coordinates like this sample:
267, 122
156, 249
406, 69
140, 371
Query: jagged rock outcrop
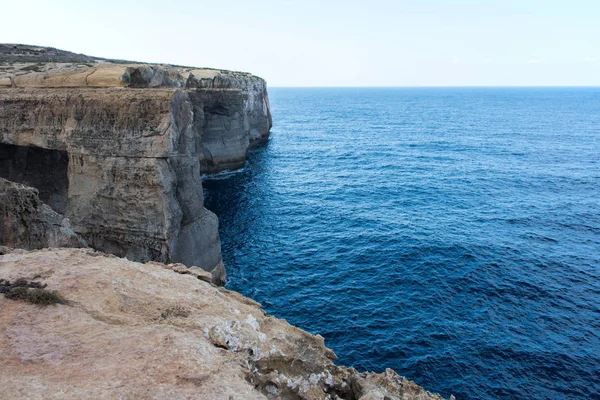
28, 223
129, 330
119, 147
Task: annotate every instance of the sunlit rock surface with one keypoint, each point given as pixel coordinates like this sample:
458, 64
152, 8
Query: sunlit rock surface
151, 331
119, 147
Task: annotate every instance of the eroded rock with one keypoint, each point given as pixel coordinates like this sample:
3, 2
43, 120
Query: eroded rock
119, 147
231, 111
28, 223
131, 330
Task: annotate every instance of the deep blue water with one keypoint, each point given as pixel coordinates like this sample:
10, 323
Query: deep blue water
450, 234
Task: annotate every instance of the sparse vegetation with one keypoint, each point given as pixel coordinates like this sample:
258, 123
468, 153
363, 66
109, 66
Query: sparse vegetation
175, 311
33, 68
42, 297
31, 292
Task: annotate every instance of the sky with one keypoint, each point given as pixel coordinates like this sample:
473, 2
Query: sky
332, 43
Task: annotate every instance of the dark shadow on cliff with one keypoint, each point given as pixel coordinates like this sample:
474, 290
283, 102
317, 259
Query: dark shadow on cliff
43, 169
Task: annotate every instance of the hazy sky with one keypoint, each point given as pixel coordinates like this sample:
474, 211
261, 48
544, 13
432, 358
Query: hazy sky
332, 43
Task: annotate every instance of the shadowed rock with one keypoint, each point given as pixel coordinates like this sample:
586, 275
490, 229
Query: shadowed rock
26, 222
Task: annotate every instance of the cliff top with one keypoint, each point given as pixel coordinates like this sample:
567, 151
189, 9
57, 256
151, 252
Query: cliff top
121, 329
23, 53
46, 67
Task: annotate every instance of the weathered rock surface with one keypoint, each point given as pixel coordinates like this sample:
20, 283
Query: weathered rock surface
130, 183
232, 108
28, 223
119, 147
130, 330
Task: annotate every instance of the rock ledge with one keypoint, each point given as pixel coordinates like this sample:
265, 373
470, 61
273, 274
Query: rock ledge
148, 331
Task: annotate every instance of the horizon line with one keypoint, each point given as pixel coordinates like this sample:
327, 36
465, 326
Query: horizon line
434, 87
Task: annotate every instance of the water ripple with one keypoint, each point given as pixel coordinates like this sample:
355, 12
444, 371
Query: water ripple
450, 234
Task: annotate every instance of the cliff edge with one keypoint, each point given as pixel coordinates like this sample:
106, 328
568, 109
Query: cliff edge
110, 153
119, 147
121, 329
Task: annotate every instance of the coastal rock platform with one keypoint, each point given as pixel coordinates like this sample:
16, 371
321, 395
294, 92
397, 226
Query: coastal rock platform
123, 329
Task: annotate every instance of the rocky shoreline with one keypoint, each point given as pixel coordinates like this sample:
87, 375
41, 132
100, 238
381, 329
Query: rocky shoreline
108, 155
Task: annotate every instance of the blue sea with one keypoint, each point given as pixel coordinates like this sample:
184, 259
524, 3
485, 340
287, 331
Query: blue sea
452, 234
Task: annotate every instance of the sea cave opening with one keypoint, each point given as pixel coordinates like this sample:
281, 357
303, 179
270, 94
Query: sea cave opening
43, 169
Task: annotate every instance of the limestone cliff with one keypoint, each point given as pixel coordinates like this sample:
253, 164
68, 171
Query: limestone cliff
231, 110
119, 147
134, 331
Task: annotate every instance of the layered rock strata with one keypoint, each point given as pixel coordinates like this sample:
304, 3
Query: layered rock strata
119, 147
129, 330
232, 115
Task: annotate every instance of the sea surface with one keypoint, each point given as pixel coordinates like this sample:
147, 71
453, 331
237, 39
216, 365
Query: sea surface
452, 234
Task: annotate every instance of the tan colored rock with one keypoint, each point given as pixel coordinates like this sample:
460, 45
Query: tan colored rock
123, 167
106, 75
199, 273
119, 147
234, 114
130, 330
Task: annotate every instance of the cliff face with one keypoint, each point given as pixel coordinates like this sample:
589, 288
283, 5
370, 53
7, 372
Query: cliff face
119, 147
131, 184
231, 108
129, 330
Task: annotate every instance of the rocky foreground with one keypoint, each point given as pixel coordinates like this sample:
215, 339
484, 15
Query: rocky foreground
128, 330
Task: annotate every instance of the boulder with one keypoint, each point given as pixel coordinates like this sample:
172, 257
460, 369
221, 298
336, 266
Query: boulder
28, 223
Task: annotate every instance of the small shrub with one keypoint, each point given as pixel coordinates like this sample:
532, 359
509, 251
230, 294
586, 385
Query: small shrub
42, 297
18, 293
175, 311
31, 292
